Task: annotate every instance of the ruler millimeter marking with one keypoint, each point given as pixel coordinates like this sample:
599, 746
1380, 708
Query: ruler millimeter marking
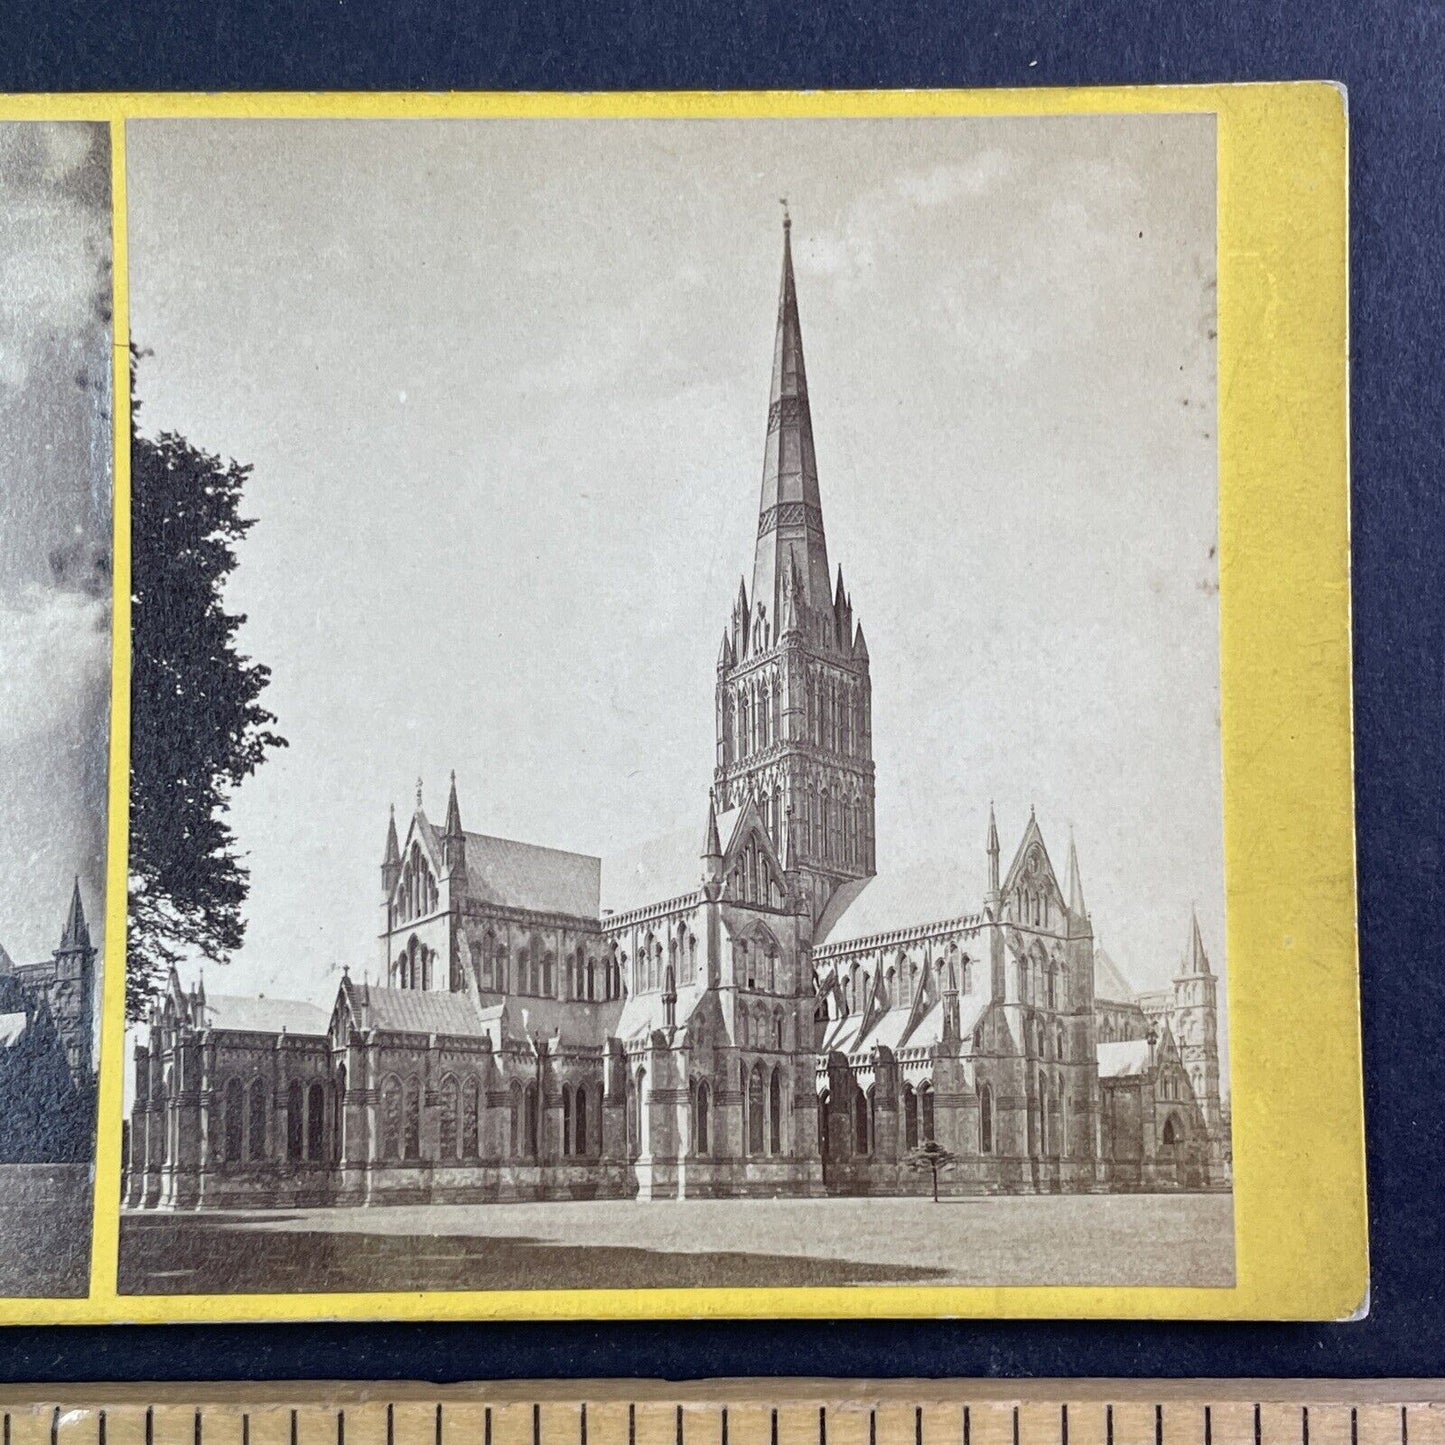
757, 1412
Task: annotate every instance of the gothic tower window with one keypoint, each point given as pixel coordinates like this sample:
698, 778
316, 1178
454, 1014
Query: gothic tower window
756, 1090
450, 1097
566, 1120
391, 1117
925, 1110
910, 1117
700, 1129
775, 1113
412, 1140
471, 1112
861, 1120
256, 1120
985, 1120
295, 1122
529, 1103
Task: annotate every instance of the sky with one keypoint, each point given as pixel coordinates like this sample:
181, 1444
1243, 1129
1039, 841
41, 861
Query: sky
504, 386
55, 527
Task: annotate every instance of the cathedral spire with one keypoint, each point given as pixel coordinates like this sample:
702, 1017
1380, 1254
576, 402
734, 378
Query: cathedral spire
711, 843
993, 883
1076, 883
76, 935
453, 828
391, 857
1195, 958
790, 513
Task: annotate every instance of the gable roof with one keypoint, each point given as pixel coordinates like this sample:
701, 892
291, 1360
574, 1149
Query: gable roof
524, 875
1109, 984
263, 1015
904, 898
417, 1011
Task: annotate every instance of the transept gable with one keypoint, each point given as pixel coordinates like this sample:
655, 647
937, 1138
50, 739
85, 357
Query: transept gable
751, 865
1031, 887
1031, 862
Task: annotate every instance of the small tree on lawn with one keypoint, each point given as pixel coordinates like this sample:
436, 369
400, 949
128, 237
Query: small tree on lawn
932, 1156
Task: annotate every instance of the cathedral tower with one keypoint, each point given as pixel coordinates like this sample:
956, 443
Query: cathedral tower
1196, 1024
794, 702
72, 991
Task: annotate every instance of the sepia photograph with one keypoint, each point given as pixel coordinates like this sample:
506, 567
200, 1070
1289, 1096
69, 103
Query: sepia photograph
55, 675
675, 704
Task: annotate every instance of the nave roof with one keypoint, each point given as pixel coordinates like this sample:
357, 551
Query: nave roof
902, 898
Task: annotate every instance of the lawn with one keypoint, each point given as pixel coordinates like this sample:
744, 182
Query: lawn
1140, 1239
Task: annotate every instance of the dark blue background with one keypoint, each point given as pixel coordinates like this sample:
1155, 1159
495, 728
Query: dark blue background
1389, 55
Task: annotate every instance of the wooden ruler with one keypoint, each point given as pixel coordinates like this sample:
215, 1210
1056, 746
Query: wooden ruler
752, 1412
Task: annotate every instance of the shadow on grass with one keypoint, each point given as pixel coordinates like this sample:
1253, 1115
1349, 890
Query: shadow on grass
44, 1230
207, 1255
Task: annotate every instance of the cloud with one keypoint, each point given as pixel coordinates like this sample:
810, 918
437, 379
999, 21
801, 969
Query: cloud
54, 647
50, 213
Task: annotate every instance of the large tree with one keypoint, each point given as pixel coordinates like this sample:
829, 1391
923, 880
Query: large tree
197, 724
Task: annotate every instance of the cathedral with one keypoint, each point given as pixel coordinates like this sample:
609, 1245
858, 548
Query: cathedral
752, 1008
47, 1050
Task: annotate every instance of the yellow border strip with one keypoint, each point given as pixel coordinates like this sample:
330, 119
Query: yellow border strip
104, 1240
1285, 655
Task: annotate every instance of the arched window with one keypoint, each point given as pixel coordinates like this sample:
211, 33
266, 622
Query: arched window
233, 1130
823, 1124
775, 1113
524, 971
533, 1121
1061, 1126
316, 1122
1060, 1043
295, 1120
756, 1117
778, 1029
579, 1124
566, 1120
860, 1121
925, 1113
450, 1099
549, 969
471, 1119
499, 982
700, 1131
1169, 1138
985, 1120
256, 1120
514, 1120
412, 1142
391, 1117
910, 1117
